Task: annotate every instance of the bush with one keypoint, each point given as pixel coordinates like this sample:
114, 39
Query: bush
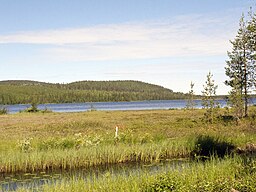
25, 145
3, 111
163, 183
207, 146
34, 109
64, 143
77, 142
225, 176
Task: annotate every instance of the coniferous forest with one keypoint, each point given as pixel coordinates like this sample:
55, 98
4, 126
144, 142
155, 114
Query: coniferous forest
23, 92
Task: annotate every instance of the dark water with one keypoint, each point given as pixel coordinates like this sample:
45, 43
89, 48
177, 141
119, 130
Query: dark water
111, 106
33, 181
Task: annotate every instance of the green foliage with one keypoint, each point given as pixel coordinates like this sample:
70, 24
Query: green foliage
207, 146
241, 67
53, 143
23, 92
249, 165
76, 142
236, 100
87, 139
3, 111
191, 94
32, 109
25, 145
131, 137
163, 183
208, 101
214, 176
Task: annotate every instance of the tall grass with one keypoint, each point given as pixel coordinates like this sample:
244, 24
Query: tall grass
88, 156
45, 141
215, 175
212, 176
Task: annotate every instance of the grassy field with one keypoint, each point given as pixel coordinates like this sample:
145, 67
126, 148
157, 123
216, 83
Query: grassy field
51, 141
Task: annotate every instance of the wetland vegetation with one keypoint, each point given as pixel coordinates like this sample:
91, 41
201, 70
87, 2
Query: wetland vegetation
123, 150
54, 142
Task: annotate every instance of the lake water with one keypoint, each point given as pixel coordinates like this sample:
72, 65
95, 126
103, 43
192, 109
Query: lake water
111, 106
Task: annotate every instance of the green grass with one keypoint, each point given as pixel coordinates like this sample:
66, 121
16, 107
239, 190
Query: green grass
53, 141
71, 158
69, 140
213, 176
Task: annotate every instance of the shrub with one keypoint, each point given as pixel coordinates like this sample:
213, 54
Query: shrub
206, 146
3, 111
77, 142
53, 143
162, 183
25, 145
34, 109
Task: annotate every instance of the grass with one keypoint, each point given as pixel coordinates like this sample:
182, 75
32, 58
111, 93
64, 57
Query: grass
214, 176
27, 138
159, 123
52, 141
71, 158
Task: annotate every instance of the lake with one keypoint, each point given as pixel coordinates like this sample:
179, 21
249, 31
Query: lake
111, 106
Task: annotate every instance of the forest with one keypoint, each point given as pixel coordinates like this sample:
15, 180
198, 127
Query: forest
25, 92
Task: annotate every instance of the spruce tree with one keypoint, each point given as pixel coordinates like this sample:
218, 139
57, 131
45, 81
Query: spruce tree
208, 102
191, 94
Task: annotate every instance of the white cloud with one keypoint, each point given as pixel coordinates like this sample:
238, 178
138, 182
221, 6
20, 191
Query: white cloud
179, 36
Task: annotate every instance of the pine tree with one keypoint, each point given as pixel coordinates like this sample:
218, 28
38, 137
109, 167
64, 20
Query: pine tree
236, 101
241, 64
208, 101
252, 46
191, 94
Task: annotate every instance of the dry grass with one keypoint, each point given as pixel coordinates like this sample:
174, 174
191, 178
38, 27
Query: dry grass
171, 123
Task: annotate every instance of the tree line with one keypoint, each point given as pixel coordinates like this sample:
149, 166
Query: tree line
23, 92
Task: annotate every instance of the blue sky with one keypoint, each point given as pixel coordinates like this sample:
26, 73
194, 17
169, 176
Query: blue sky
164, 42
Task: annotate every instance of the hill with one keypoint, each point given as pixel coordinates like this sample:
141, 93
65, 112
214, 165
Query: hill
25, 91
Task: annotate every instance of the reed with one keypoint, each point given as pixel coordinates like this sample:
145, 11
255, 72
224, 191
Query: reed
72, 158
212, 176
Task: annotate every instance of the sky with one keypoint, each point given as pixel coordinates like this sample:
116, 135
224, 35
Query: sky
164, 42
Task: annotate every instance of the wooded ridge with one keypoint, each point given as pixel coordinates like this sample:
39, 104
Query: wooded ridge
25, 91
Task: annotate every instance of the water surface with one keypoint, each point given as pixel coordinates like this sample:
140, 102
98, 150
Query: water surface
112, 106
